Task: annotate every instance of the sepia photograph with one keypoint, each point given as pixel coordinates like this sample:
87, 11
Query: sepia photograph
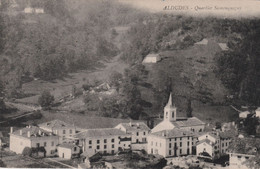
130, 84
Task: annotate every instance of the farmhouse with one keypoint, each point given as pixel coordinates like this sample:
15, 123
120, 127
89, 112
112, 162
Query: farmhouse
171, 121
64, 130
105, 141
244, 114
152, 58
174, 142
33, 137
68, 150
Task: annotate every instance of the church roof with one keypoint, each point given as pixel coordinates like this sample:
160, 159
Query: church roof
173, 133
169, 104
188, 122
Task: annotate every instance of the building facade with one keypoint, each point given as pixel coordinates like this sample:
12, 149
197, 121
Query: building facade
68, 150
33, 137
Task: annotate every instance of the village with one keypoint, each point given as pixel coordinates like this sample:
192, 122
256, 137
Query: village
180, 141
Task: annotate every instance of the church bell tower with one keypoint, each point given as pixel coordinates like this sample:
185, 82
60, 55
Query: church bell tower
170, 110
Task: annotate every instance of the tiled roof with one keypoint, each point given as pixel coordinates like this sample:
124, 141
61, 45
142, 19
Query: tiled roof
34, 132
135, 126
67, 145
227, 134
250, 146
100, 133
173, 133
55, 124
188, 122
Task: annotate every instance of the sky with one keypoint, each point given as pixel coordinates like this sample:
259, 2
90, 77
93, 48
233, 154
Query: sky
222, 8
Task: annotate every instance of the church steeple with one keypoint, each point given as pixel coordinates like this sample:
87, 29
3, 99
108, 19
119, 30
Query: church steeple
170, 110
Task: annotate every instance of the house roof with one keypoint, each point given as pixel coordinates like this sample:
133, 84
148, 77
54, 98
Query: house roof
100, 133
187, 122
227, 134
152, 55
223, 46
250, 146
34, 132
205, 141
173, 133
56, 124
67, 145
135, 126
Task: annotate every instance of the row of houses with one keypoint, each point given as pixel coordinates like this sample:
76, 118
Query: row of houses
174, 136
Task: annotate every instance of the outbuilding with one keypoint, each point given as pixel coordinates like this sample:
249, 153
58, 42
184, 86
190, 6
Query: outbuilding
68, 150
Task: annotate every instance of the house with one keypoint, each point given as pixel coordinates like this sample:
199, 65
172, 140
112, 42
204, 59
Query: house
33, 137
68, 150
138, 131
28, 10
228, 126
257, 112
62, 129
223, 46
202, 42
152, 58
212, 145
171, 121
242, 151
105, 141
244, 114
173, 142
39, 10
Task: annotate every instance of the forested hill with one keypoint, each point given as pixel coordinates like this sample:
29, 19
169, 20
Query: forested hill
74, 35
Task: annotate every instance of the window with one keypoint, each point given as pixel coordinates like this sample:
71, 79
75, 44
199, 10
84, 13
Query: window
175, 145
222, 144
113, 146
180, 151
70, 131
180, 138
247, 158
170, 140
112, 151
175, 139
64, 131
44, 144
144, 133
75, 148
188, 143
89, 147
226, 144
188, 138
37, 144
98, 141
170, 152
170, 145
112, 140
52, 143
180, 144
105, 152
98, 147
105, 146
238, 156
137, 133
90, 142
105, 140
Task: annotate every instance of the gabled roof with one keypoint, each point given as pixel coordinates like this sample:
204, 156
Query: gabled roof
56, 124
34, 132
205, 141
173, 133
250, 146
135, 126
67, 145
188, 122
227, 134
100, 132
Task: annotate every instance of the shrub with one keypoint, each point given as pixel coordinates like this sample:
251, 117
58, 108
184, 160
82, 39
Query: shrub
46, 100
27, 151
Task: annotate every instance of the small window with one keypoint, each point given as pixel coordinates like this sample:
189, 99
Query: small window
112, 140
90, 142
113, 146
90, 147
137, 133
98, 141
137, 140
180, 144
105, 140
98, 147
37, 144
180, 138
112, 151
105, 146
75, 148
170, 140
170, 152
238, 156
188, 143
64, 131
175, 139
170, 145
247, 158
44, 144
180, 151
105, 152
144, 133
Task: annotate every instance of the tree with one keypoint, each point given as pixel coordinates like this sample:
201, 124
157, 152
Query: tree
189, 109
27, 151
46, 100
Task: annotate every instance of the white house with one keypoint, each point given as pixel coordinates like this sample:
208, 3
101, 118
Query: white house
174, 142
33, 137
152, 58
39, 10
62, 129
241, 150
28, 10
202, 42
104, 140
223, 46
171, 121
138, 131
244, 114
257, 112
68, 150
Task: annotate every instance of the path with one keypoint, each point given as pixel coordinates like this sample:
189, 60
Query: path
235, 108
60, 163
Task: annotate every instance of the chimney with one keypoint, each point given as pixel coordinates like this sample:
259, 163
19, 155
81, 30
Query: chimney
11, 130
40, 132
28, 134
21, 132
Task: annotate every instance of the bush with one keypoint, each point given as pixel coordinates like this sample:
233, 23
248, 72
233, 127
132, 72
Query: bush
46, 100
27, 151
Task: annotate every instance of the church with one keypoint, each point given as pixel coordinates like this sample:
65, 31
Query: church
171, 120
